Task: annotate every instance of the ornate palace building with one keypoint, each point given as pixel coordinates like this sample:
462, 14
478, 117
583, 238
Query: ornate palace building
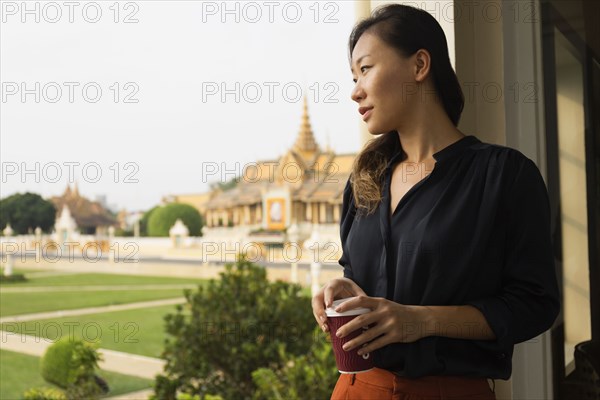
90, 216
303, 187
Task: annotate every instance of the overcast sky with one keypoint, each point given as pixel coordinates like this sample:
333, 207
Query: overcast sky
128, 98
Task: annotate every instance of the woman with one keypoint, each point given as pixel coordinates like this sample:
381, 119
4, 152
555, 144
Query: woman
445, 238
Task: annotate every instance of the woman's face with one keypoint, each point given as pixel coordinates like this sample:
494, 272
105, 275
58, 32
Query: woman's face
385, 84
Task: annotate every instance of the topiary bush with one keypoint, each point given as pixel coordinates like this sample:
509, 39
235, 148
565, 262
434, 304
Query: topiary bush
238, 324
163, 218
144, 221
71, 364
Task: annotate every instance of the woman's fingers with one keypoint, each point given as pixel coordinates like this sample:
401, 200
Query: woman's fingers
331, 290
319, 311
357, 323
358, 301
340, 287
375, 344
364, 338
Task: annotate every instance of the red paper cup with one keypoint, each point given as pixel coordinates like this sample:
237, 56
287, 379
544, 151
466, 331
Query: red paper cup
348, 362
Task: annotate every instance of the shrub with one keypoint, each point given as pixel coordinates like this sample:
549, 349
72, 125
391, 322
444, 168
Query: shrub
85, 389
11, 278
310, 376
70, 364
163, 218
144, 221
44, 394
238, 324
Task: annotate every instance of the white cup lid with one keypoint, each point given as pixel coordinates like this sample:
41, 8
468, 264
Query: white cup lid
330, 311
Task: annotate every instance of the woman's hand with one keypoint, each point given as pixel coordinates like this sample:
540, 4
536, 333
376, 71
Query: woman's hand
393, 322
338, 288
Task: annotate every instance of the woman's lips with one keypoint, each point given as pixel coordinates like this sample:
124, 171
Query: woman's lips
367, 114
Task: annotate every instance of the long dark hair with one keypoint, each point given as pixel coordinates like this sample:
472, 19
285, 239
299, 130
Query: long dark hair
406, 29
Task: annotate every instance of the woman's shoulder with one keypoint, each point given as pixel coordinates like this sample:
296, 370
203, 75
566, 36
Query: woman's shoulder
512, 168
503, 159
498, 150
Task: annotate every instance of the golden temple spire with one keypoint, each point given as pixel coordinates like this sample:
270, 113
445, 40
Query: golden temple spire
305, 142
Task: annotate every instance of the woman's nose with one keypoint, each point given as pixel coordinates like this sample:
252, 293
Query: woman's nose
357, 93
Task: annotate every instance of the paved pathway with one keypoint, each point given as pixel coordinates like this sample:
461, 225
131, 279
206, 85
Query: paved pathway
116, 361
93, 288
171, 269
45, 274
126, 363
91, 310
139, 395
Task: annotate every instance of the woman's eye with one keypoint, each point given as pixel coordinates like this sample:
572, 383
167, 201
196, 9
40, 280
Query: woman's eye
363, 67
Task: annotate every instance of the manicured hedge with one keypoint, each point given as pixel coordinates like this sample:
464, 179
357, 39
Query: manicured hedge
163, 218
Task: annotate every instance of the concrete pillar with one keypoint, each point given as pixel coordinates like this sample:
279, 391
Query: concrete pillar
479, 67
247, 215
322, 213
495, 58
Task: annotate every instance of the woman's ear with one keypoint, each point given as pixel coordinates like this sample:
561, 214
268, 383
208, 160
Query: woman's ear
422, 64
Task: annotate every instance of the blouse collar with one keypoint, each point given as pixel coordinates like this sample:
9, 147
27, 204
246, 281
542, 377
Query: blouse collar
444, 154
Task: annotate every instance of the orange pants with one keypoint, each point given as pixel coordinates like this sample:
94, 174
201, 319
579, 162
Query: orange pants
379, 384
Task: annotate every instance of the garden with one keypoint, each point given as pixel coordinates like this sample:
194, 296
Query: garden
50, 293
236, 337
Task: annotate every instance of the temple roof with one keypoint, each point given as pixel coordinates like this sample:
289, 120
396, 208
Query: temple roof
327, 189
324, 174
87, 214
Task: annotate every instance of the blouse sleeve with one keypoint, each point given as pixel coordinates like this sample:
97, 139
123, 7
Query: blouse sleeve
346, 218
529, 301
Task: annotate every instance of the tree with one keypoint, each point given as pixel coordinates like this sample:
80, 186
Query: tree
144, 221
163, 218
27, 211
235, 326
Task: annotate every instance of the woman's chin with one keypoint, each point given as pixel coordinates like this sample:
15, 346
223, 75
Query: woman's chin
374, 130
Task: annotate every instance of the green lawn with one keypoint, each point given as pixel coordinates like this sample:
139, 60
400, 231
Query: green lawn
133, 331
99, 279
26, 303
20, 372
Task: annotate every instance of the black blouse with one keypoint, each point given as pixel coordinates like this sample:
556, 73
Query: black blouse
475, 231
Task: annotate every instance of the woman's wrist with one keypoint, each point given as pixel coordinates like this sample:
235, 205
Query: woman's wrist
460, 322
420, 321
429, 321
